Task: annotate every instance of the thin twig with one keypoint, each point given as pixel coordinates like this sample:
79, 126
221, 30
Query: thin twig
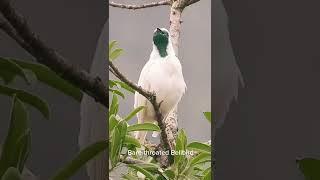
134, 7
18, 29
112, 71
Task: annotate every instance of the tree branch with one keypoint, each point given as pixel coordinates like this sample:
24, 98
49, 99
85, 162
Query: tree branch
151, 96
177, 7
18, 29
134, 7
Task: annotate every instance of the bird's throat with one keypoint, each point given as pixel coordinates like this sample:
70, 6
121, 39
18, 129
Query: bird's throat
161, 43
162, 51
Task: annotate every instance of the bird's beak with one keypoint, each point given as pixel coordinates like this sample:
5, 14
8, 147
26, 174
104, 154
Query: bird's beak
159, 30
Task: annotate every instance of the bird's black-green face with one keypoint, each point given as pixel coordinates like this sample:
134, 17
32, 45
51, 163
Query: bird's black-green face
161, 40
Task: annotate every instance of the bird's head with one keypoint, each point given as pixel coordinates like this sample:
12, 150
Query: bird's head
161, 40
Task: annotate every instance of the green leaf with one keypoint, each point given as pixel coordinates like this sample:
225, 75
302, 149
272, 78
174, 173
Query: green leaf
208, 116
117, 92
129, 177
310, 167
156, 170
24, 146
143, 171
206, 171
133, 113
124, 86
115, 147
115, 54
201, 147
207, 176
47, 76
143, 127
162, 176
111, 83
26, 97
113, 109
150, 167
181, 142
132, 140
7, 76
200, 158
122, 127
111, 45
10, 68
11, 174
80, 160
169, 173
198, 169
183, 165
15, 148
112, 122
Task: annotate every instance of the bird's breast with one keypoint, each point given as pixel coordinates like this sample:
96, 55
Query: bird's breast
166, 80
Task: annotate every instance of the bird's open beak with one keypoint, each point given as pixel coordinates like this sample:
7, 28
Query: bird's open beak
159, 30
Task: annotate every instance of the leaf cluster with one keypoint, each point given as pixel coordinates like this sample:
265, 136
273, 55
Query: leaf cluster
17, 145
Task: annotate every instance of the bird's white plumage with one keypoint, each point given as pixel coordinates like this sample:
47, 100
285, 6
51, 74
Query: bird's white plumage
162, 75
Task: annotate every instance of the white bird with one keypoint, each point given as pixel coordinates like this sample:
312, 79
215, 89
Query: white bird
162, 74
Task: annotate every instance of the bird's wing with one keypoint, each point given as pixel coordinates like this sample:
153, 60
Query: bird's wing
179, 67
144, 83
141, 100
93, 115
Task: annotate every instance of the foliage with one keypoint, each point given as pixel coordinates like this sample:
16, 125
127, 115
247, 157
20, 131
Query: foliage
119, 131
84, 156
11, 174
191, 160
11, 68
17, 145
310, 167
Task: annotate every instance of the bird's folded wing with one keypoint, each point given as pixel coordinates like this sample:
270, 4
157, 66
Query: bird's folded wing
140, 100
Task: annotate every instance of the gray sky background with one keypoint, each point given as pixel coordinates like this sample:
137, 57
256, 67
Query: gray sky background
133, 30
